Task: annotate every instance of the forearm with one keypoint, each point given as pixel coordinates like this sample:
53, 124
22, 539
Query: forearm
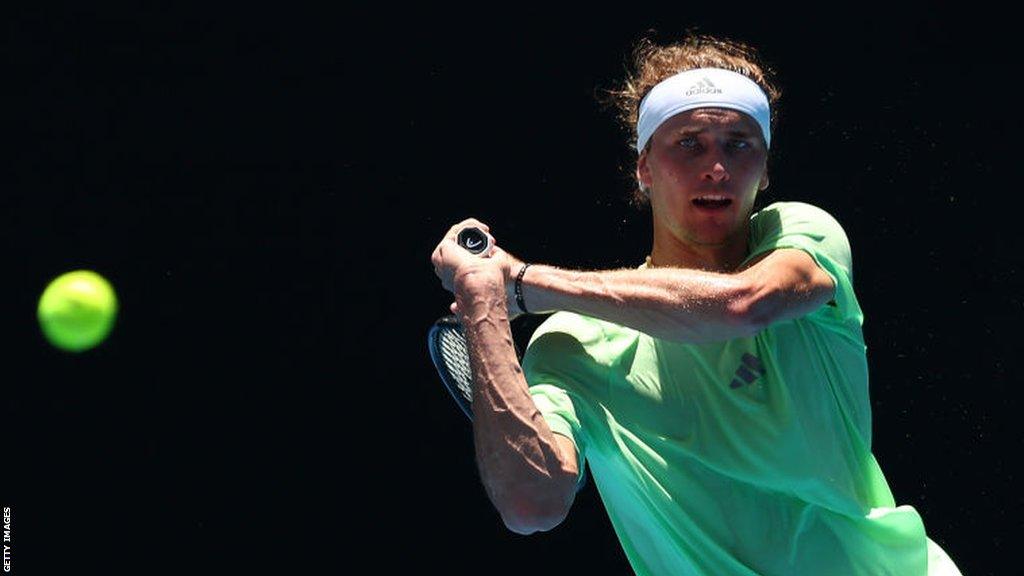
683, 305
516, 451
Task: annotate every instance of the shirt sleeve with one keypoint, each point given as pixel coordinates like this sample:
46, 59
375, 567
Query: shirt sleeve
816, 232
547, 366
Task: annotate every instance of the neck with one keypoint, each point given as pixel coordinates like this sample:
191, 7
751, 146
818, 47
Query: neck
669, 251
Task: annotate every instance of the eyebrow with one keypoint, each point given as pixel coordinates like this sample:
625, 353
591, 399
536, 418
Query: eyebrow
690, 131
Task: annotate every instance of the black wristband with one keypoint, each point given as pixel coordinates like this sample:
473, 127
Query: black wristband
519, 289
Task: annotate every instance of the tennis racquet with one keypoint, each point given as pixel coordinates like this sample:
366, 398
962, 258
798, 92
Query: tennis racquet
447, 342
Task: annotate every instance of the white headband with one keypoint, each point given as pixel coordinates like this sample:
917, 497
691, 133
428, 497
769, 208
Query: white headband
701, 88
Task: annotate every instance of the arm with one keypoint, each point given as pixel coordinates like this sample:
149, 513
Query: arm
528, 471
681, 304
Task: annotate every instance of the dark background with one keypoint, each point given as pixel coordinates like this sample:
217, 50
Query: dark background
264, 190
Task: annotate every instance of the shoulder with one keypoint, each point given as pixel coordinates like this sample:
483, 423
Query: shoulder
799, 223
793, 210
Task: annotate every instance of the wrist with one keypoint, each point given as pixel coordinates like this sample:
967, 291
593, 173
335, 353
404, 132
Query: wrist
478, 282
517, 288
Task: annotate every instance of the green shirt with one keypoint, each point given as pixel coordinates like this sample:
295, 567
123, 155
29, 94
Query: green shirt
750, 456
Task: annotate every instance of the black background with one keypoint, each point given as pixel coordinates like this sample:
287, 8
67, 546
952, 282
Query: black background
264, 189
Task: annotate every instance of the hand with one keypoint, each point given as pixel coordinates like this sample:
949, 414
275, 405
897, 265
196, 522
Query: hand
453, 262
467, 274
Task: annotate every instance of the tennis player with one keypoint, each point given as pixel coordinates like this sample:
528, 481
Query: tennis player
718, 391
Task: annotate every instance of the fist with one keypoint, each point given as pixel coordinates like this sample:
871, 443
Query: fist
464, 273
454, 265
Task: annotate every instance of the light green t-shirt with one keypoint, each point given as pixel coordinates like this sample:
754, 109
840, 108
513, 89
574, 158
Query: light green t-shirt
745, 457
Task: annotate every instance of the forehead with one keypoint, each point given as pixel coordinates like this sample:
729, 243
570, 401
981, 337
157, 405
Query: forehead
711, 118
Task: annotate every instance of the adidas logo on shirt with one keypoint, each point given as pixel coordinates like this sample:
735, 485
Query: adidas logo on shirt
750, 369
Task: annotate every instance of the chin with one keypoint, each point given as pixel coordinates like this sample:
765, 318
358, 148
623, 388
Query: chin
718, 233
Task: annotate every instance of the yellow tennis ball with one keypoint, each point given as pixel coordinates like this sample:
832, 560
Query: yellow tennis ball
77, 310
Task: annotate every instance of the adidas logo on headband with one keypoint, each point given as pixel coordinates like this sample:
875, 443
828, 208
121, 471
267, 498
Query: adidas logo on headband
704, 86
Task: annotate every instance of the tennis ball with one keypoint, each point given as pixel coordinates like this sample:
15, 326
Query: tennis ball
77, 310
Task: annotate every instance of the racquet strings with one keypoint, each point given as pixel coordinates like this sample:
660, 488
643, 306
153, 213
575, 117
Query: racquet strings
450, 354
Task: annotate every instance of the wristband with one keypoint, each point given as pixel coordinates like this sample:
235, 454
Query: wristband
519, 289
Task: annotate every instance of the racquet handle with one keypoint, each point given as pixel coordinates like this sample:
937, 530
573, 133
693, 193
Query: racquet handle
474, 240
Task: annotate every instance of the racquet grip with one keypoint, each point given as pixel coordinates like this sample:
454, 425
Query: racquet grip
474, 240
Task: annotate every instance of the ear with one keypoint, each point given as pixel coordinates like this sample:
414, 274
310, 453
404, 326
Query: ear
763, 185
643, 172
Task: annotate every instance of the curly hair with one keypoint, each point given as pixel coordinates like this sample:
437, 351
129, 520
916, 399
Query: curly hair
652, 63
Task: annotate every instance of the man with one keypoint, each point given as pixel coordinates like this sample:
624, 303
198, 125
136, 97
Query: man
718, 392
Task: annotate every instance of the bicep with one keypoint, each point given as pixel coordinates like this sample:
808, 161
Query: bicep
785, 283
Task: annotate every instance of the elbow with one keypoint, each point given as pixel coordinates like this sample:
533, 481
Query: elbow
529, 516
543, 508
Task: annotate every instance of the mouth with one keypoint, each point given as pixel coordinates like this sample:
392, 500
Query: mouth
712, 203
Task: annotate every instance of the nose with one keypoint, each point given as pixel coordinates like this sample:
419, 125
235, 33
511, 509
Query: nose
717, 172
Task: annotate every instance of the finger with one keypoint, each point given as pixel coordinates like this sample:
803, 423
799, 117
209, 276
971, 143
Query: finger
437, 258
474, 222
449, 255
467, 223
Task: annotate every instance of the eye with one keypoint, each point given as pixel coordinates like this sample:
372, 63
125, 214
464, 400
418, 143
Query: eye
739, 144
688, 142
